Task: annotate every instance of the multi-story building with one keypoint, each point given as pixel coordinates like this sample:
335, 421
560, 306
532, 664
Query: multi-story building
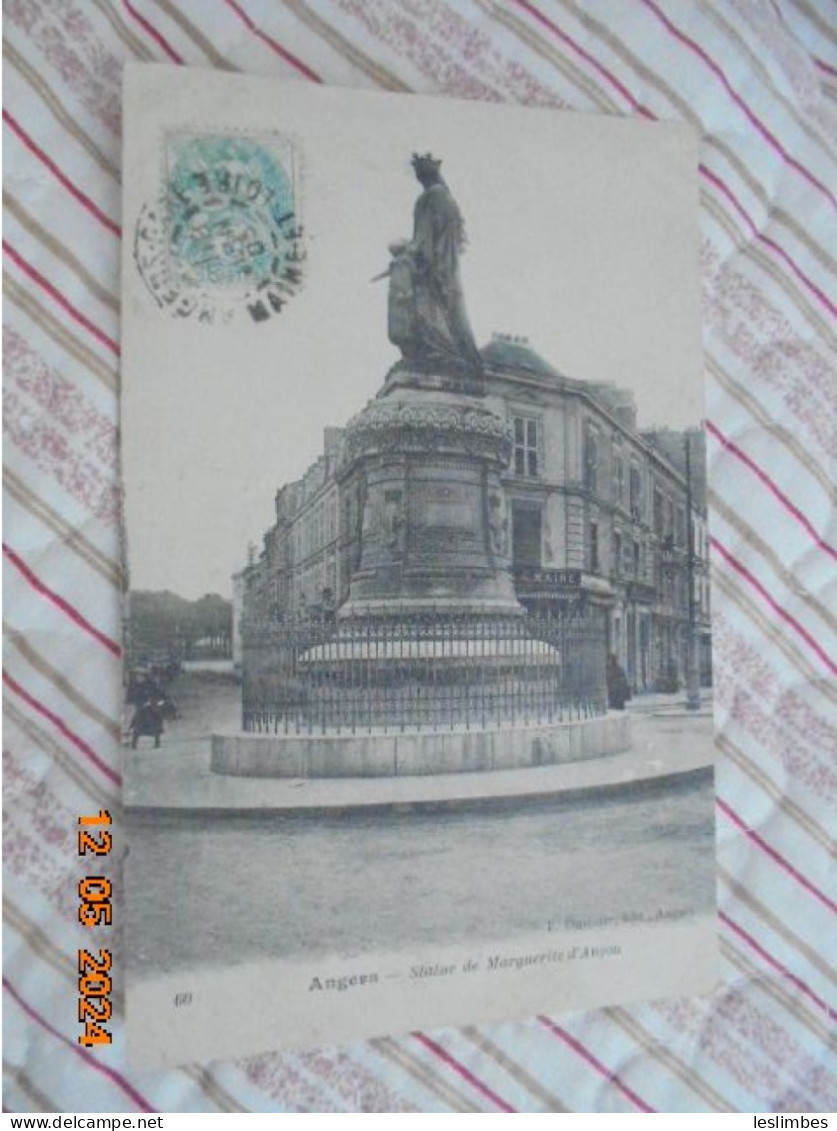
598, 513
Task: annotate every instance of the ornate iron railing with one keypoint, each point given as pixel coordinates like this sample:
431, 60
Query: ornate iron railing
426, 672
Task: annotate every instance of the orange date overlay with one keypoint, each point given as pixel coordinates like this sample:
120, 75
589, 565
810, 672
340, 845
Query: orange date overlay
95, 910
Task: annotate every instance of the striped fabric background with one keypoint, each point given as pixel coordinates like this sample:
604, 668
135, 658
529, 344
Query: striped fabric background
759, 78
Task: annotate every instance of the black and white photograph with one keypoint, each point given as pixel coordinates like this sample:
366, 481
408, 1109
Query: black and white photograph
417, 642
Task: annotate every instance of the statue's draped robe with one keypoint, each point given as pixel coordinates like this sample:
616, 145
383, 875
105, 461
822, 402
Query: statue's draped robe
428, 320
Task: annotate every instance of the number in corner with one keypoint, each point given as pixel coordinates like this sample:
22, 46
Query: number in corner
94, 1035
87, 964
94, 972
88, 841
95, 908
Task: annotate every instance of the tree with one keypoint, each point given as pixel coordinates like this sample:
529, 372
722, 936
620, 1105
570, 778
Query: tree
164, 626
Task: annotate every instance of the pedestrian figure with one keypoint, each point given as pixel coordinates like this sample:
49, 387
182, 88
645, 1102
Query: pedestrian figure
147, 720
618, 692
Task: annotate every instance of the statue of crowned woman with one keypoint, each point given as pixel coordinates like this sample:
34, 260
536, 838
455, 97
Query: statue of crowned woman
427, 317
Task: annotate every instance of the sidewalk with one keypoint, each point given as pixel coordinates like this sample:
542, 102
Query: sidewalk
659, 703
177, 778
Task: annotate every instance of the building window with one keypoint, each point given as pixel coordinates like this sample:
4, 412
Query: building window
526, 535
658, 511
594, 547
526, 460
617, 554
637, 561
636, 494
591, 459
618, 479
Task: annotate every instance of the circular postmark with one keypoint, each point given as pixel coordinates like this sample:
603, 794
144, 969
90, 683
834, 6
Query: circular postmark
224, 241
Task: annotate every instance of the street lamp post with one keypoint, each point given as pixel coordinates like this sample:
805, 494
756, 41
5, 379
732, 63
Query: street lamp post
692, 675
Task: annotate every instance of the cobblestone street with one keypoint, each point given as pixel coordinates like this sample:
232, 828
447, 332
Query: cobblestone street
218, 890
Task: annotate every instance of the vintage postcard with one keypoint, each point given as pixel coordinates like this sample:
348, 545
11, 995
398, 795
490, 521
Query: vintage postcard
418, 681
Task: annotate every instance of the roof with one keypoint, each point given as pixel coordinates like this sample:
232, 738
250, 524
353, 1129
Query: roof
507, 352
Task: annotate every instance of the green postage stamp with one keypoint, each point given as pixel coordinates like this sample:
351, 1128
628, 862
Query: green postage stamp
224, 240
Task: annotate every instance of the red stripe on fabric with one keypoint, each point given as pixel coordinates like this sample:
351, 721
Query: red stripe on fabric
602, 1069
272, 44
152, 31
771, 486
823, 66
730, 813
786, 616
36, 705
739, 101
579, 50
626, 94
800, 274
453, 1063
777, 965
120, 1081
45, 285
771, 243
60, 602
81, 197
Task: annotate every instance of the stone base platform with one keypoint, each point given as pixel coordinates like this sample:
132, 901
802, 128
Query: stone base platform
393, 754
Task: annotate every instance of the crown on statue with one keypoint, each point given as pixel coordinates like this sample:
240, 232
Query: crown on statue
426, 163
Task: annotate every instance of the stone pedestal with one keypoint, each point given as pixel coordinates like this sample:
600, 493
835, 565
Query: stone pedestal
436, 529
431, 642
